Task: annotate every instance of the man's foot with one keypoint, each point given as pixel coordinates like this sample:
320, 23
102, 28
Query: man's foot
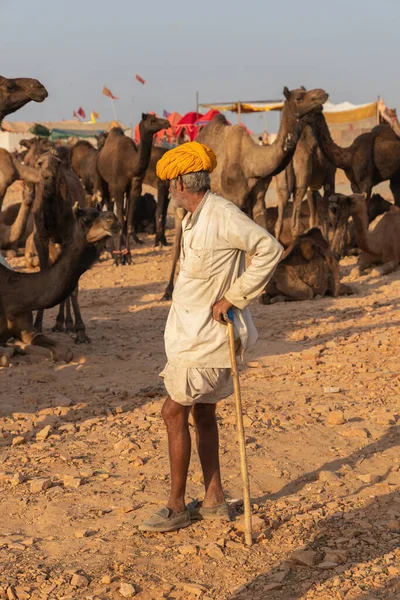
197, 511
166, 520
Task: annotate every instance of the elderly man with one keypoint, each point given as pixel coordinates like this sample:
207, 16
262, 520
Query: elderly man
212, 279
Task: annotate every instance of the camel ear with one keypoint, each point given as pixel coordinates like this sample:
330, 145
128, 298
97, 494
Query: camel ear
75, 210
303, 88
307, 248
286, 93
144, 116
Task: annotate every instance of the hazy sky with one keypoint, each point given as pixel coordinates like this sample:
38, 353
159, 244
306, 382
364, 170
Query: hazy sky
226, 50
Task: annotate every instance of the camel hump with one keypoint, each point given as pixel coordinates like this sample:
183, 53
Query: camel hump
116, 132
307, 248
316, 235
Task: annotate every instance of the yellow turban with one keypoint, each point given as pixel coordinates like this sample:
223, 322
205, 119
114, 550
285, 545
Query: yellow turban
190, 157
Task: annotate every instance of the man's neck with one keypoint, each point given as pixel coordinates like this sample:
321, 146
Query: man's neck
193, 201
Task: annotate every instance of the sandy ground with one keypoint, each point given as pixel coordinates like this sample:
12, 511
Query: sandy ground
83, 453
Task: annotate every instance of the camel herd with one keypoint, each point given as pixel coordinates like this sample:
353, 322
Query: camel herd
77, 197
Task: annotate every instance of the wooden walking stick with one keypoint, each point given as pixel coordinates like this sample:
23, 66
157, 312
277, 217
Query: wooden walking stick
240, 429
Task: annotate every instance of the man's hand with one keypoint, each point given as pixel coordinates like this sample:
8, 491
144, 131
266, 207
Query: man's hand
220, 309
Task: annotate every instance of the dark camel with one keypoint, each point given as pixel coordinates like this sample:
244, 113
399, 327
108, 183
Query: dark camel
122, 167
373, 157
53, 222
308, 172
15, 93
308, 269
83, 157
22, 293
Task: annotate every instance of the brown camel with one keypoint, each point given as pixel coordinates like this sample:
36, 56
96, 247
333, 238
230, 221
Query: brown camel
11, 170
15, 93
308, 269
9, 234
121, 168
83, 157
373, 157
380, 246
308, 172
22, 293
245, 169
53, 221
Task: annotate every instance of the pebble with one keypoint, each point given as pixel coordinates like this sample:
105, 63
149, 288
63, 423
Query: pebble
194, 588
214, 551
187, 549
253, 364
127, 590
332, 390
336, 417
16, 479
307, 558
43, 434
257, 523
18, 440
72, 481
81, 533
40, 485
79, 581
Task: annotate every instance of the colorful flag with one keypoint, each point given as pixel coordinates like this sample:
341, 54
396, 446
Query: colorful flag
94, 115
140, 79
76, 115
108, 93
166, 114
81, 112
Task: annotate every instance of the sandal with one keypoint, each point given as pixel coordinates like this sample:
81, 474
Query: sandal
165, 519
208, 513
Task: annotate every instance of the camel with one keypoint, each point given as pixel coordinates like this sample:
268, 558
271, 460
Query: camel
9, 234
121, 168
308, 269
83, 157
307, 173
58, 190
373, 157
15, 93
11, 170
22, 293
380, 246
244, 168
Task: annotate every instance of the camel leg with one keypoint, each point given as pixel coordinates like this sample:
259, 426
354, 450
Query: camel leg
283, 199
118, 196
312, 204
69, 324
3, 190
161, 213
59, 325
297, 200
288, 284
134, 195
42, 249
29, 336
176, 250
81, 336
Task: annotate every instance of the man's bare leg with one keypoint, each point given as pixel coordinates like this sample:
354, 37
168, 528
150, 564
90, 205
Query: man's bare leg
176, 419
208, 448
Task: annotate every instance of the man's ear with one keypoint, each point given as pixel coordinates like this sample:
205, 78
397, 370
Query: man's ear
180, 184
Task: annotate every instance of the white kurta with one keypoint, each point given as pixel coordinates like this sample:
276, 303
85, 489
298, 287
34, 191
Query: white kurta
215, 239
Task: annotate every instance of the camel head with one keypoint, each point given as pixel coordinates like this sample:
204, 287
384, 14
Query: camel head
36, 146
101, 139
377, 206
94, 224
302, 102
152, 124
15, 93
48, 163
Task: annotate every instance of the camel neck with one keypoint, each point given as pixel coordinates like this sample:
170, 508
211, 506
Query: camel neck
338, 156
146, 144
360, 219
37, 291
266, 161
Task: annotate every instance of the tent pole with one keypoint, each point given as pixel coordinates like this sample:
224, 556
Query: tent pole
239, 113
197, 103
133, 133
377, 111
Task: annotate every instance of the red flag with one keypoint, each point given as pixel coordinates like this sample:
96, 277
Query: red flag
108, 93
140, 79
76, 115
81, 112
